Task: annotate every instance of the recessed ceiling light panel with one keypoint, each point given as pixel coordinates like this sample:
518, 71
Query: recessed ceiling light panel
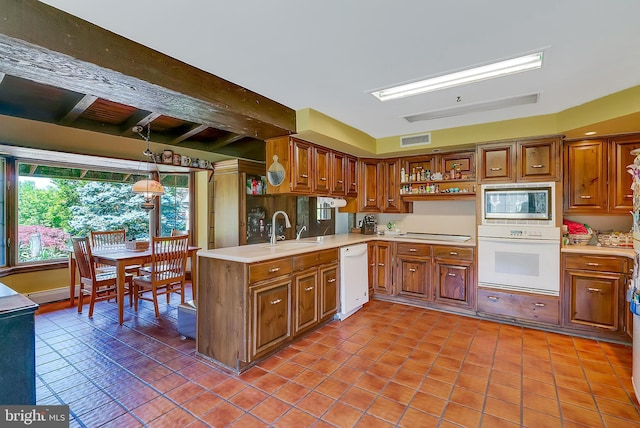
497, 69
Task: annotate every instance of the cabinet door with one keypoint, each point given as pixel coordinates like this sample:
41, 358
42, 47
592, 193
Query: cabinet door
321, 176
465, 162
305, 310
338, 174
391, 176
593, 299
620, 194
585, 177
328, 291
270, 316
371, 177
453, 281
538, 160
414, 277
301, 171
352, 176
496, 163
381, 269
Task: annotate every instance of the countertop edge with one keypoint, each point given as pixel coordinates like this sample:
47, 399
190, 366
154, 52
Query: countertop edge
594, 249
242, 253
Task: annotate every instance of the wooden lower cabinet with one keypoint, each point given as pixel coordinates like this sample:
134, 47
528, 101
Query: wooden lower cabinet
305, 313
380, 267
328, 291
454, 276
414, 277
594, 293
519, 306
269, 316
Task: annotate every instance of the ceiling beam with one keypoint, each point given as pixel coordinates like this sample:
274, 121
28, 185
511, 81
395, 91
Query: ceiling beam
46, 45
78, 109
190, 133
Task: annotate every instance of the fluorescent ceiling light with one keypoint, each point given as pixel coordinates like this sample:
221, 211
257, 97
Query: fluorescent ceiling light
502, 68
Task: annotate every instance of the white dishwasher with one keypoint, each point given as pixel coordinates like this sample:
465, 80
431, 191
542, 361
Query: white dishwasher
354, 282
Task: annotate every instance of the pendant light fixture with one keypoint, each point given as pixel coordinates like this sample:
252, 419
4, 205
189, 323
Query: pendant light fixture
149, 188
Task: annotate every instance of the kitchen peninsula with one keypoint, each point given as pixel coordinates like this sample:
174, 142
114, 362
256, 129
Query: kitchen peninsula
254, 299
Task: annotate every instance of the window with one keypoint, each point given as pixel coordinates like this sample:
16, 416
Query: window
57, 202
174, 204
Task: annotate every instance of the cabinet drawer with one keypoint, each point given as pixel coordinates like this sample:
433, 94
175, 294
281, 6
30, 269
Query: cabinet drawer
269, 269
519, 305
315, 258
410, 249
461, 253
596, 262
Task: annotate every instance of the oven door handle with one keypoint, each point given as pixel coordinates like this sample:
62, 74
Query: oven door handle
519, 240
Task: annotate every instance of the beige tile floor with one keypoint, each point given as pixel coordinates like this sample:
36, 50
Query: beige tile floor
387, 365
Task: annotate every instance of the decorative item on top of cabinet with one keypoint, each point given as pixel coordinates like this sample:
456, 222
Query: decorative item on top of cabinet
596, 180
594, 294
528, 160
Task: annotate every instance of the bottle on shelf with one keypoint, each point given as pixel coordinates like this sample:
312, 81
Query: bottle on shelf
402, 174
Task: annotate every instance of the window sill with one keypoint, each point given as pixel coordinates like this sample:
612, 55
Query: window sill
12, 270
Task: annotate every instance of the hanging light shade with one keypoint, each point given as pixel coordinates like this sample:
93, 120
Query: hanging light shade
147, 188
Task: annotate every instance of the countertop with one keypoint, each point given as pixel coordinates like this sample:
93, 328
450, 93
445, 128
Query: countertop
260, 252
12, 301
594, 249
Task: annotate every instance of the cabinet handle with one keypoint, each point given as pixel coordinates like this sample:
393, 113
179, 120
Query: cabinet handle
628, 196
451, 274
389, 200
309, 288
594, 290
275, 269
380, 264
540, 305
275, 302
497, 168
371, 200
593, 264
537, 166
340, 181
412, 269
373, 264
493, 298
353, 184
323, 178
304, 176
412, 250
585, 197
453, 253
331, 280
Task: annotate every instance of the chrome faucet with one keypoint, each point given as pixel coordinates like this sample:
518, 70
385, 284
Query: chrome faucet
273, 225
304, 227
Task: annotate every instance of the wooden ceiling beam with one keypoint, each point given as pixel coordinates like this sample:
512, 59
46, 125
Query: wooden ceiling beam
190, 133
46, 45
78, 109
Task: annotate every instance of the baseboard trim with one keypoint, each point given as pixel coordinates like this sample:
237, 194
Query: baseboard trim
52, 295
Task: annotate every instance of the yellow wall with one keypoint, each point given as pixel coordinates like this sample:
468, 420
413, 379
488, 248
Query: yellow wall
32, 282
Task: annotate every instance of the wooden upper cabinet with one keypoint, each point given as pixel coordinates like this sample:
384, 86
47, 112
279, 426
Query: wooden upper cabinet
369, 197
352, 176
538, 160
321, 170
338, 174
391, 202
621, 196
496, 162
302, 166
465, 162
585, 177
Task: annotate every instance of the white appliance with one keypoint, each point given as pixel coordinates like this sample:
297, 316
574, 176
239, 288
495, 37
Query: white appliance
519, 258
518, 203
354, 282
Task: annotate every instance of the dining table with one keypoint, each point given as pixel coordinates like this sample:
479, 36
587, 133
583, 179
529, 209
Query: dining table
120, 257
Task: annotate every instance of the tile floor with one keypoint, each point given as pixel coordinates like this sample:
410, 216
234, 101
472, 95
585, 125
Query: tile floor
387, 365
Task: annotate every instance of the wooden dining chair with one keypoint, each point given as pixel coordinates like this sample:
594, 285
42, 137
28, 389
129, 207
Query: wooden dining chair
111, 238
97, 285
167, 273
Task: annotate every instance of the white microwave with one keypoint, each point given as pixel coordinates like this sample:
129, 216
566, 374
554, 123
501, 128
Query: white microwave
519, 202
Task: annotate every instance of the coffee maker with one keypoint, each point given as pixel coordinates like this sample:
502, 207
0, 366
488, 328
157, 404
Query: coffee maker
368, 225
